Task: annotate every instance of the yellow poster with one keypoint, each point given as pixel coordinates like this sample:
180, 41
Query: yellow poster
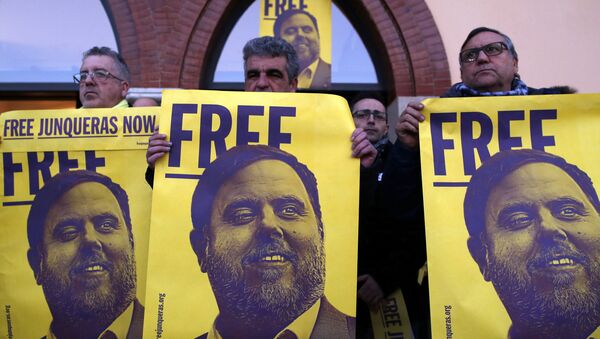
306, 25
512, 216
390, 320
254, 217
74, 221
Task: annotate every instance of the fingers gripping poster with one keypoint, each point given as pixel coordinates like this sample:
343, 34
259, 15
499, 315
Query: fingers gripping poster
254, 218
512, 216
74, 220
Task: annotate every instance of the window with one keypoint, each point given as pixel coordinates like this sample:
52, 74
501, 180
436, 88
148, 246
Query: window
43, 41
351, 63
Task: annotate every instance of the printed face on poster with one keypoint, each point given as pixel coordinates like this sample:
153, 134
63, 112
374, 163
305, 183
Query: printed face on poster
306, 25
249, 232
75, 212
513, 216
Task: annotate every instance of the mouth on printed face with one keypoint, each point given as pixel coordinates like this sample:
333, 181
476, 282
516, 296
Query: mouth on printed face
270, 257
559, 267
91, 272
272, 260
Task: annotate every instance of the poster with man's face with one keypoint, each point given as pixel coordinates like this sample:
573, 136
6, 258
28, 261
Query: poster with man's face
75, 219
254, 218
306, 25
512, 216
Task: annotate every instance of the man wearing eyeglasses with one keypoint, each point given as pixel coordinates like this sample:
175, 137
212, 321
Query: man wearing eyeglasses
489, 66
103, 79
391, 240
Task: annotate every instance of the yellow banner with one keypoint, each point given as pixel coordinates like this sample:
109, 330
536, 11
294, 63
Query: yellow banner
64, 243
390, 320
208, 131
306, 25
513, 243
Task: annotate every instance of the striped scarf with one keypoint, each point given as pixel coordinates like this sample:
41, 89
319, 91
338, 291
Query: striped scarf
518, 88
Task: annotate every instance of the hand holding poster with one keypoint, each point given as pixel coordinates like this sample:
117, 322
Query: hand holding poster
254, 217
75, 217
513, 217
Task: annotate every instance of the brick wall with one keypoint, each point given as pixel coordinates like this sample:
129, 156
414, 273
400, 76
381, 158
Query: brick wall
170, 43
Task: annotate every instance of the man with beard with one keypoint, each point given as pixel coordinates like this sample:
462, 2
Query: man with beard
300, 29
81, 253
258, 235
534, 230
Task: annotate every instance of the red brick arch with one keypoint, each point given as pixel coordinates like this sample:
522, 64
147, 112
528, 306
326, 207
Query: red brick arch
168, 43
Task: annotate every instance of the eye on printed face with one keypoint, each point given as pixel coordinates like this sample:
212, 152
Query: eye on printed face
86, 239
375, 129
489, 73
262, 220
106, 93
300, 32
267, 74
543, 228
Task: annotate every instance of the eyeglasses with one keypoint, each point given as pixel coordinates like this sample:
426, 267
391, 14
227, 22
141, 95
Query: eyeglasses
364, 114
470, 55
99, 75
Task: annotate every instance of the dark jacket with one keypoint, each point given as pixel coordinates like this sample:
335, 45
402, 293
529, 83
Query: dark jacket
136, 327
330, 323
322, 77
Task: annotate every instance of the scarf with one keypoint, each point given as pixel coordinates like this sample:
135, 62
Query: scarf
518, 88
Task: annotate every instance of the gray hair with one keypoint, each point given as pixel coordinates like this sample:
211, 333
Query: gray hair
273, 47
509, 43
122, 68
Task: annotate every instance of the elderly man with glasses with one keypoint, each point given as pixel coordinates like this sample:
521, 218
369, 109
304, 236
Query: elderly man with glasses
488, 67
103, 79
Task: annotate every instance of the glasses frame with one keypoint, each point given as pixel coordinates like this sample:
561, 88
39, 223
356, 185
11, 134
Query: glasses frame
94, 76
464, 60
368, 113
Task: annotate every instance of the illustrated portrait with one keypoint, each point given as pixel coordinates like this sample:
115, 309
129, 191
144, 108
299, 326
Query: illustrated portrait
300, 28
534, 231
81, 252
258, 235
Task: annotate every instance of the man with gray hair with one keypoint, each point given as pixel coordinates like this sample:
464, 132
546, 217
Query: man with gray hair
103, 79
270, 65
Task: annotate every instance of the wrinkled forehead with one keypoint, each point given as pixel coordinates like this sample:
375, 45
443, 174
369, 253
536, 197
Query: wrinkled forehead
265, 63
370, 104
95, 62
482, 39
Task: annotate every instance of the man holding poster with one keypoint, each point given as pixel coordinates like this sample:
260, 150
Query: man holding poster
270, 65
534, 231
258, 233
